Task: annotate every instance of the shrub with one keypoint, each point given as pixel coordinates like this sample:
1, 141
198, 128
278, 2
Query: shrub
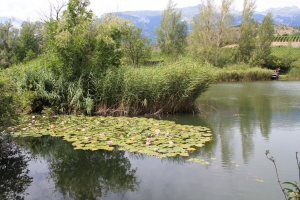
250, 74
8, 104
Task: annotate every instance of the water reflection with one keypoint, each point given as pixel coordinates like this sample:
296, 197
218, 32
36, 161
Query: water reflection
205, 152
256, 104
84, 174
14, 178
269, 119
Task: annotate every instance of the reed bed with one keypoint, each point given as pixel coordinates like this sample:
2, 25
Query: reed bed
250, 74
126, 90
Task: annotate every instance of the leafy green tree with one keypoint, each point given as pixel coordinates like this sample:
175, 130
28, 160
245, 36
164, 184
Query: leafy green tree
209, 30
264, 40
202, 39
248, 32
79, 50
171, 34
29, 39
222, 27
8, 44
81, 44
135, 47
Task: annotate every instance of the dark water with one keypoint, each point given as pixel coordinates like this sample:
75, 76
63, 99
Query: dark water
269, 119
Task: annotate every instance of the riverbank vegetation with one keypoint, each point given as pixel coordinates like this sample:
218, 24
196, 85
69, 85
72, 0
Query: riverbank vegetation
78, 63
122, 91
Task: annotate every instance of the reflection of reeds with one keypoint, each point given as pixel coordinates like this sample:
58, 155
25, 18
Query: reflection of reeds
251, 74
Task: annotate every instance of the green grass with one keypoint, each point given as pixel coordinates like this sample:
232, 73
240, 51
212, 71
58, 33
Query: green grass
233, 73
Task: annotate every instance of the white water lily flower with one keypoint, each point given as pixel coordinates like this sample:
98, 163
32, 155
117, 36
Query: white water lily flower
157, 131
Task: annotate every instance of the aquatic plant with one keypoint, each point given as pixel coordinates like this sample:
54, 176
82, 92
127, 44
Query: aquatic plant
251, 74
134, 134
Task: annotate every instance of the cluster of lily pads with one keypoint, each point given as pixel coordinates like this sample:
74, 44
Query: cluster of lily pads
134, 134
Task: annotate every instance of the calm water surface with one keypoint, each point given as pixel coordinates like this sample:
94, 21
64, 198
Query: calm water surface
269, 120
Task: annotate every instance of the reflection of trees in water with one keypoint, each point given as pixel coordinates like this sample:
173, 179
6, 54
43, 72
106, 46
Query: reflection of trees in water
264, 114
205, 152
243, 98
247, 127
14, 178
221, 117
85, 174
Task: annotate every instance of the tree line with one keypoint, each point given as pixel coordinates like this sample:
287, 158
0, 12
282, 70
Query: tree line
79, 38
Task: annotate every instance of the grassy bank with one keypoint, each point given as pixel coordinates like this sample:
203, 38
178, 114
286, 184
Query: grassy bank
243, 73
120, 91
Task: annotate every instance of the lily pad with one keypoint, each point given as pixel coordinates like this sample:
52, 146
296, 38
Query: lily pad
144, 135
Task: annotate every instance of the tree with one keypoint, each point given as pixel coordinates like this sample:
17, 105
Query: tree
171, 34
30, 39
224, 21
8, 44
203, 36
135, 47
81, 44
248, 32
209, 30
79, 50
264, 40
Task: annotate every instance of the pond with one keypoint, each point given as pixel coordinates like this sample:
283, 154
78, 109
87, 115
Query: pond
246, 119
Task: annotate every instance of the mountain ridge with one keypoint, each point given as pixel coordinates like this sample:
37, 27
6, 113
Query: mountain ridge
150, 19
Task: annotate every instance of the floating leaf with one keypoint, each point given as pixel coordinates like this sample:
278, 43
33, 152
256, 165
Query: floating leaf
134, 134
258, 180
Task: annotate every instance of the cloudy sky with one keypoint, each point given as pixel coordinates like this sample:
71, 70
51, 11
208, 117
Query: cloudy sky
30, 9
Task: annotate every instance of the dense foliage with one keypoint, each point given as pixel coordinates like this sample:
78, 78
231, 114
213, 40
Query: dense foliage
8, 103
124, 90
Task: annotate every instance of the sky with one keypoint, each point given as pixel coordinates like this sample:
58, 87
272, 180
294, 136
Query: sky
32, 9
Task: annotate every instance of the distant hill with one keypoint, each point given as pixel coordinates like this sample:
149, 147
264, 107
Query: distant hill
149, 20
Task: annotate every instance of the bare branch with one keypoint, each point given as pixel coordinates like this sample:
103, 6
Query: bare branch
55, 10
273, 160
298, 163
